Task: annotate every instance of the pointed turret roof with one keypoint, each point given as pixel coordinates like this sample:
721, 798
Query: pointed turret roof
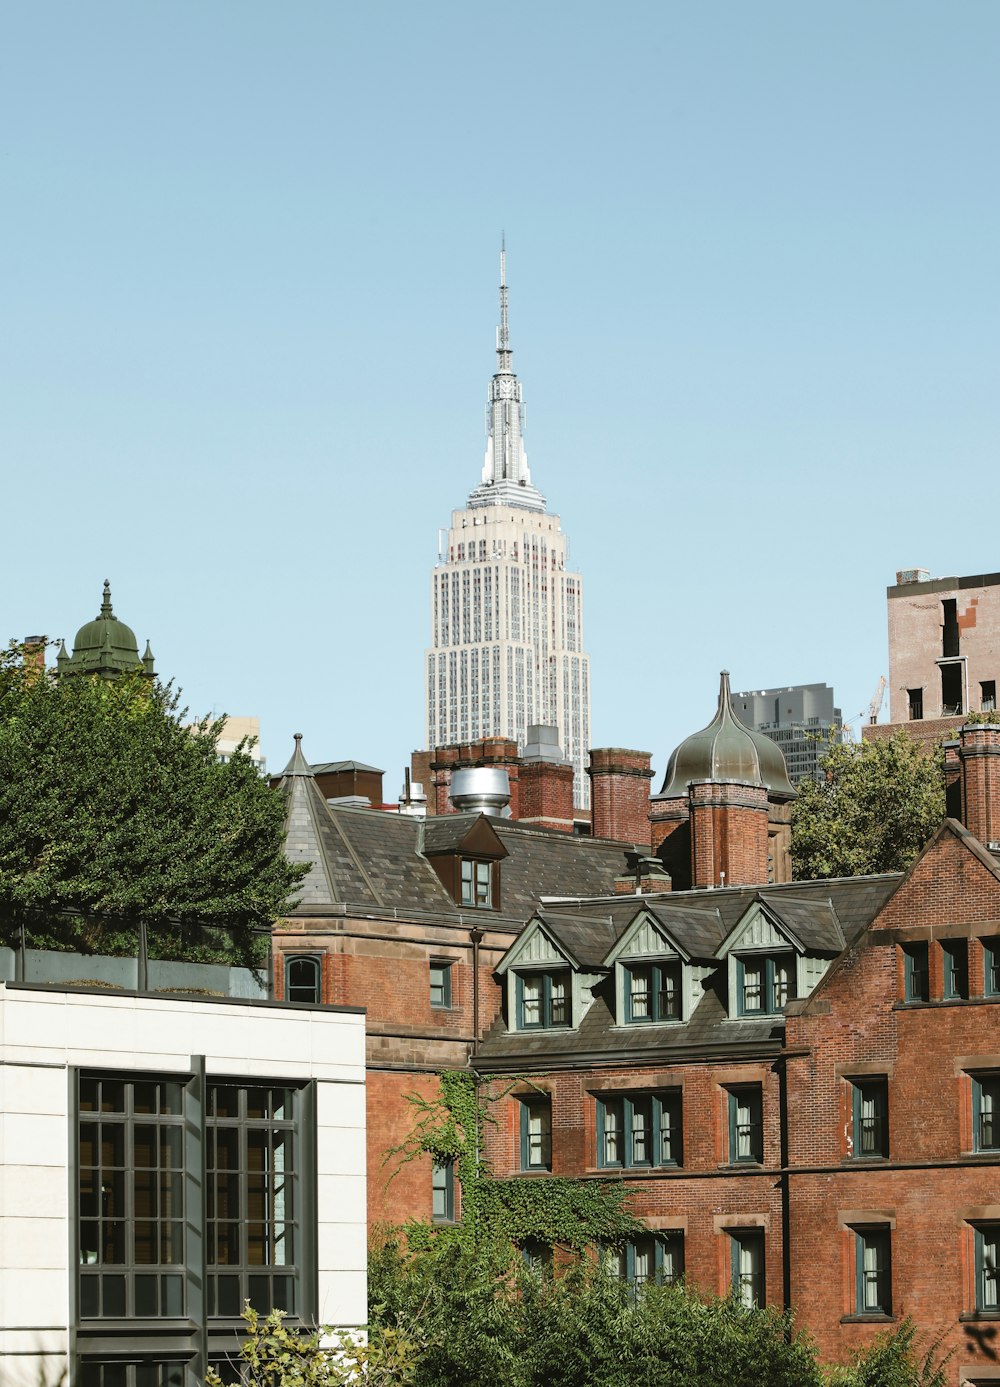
727, 750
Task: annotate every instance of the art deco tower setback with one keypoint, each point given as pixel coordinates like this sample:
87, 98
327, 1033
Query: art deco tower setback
507, 616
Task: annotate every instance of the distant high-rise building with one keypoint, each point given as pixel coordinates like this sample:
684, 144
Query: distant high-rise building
799, 719
506, 647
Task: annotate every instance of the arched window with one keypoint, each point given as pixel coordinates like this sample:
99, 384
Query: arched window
302, 978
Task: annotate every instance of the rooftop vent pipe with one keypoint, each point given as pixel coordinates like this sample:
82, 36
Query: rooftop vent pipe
482, 789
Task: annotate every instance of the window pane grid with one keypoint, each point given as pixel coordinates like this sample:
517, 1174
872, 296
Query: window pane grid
130, 1209
250, 1205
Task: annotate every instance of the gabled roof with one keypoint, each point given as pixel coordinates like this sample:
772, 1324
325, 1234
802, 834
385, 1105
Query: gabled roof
472, 834
366, 858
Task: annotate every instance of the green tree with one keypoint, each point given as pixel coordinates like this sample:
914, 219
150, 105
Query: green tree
114, 811
872, 809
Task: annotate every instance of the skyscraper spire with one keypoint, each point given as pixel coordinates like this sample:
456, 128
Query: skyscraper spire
506, 480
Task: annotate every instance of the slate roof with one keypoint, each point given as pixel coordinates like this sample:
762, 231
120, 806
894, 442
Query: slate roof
823, 915
366, 858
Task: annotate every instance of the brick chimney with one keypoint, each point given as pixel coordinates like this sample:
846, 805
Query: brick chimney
545, 781
979, 756
729, 833
33, 652
619, 794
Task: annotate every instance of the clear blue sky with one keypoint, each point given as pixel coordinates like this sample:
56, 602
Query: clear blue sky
249, 275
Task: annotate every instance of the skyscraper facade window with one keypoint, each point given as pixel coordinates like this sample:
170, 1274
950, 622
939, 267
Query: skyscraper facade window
506, 647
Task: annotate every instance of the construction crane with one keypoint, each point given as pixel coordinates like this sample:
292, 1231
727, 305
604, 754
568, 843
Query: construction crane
875, 707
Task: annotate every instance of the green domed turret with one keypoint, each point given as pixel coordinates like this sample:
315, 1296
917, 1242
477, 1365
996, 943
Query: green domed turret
105, 646
727, 750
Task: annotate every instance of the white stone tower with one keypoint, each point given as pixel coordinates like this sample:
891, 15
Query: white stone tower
506, 614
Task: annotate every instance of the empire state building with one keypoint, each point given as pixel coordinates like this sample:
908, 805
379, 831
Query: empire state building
506, 614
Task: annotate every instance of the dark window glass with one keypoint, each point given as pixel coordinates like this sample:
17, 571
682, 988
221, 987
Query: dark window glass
130, 1200
252, 1173
986, 1112
870, 1118
303, 979
956, 967
915, 976
477, 881
443, 1192
764, 983
988, 1268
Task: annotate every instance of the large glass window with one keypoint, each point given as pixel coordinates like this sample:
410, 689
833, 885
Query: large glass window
873, 1271
641, 1129
746, 1138
870, 1117
746, 1266
251, 1198
986, 1112
652, 993
542, 1000
131, 1197
121, 1372
536, 1132
764, 983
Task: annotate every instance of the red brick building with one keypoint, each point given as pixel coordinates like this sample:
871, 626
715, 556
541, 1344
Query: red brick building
799, 1082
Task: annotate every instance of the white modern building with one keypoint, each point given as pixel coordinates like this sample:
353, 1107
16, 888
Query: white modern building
163, 1159
507, 615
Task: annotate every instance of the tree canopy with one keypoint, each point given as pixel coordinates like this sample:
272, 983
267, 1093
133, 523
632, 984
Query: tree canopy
872, 809
114, 810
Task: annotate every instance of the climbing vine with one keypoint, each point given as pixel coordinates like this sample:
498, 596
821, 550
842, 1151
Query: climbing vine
559, 1212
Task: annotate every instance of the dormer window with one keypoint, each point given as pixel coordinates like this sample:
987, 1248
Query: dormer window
476, 884
764, 983
652, 992
542, 1001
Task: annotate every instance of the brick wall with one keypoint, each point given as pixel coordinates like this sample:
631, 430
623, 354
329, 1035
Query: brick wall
729, 834
545, 795
979, 756
619, 794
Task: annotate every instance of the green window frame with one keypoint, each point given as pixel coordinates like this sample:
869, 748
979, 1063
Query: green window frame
987, 1238
652, 993
870, 1118
873, 1270
476, 884
991, 966
640, 1130
746, 1133
764, 983
543, 1000
443, 1192
440, 984
746, 1266
131, 1201
986, 1112
956, 968
536, 1132
916, 981
649, 1259
303, 978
